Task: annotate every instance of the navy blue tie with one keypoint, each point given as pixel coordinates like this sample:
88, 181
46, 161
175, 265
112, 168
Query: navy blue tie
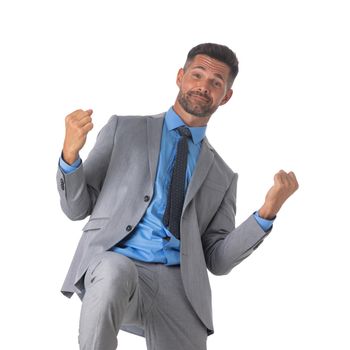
176, 193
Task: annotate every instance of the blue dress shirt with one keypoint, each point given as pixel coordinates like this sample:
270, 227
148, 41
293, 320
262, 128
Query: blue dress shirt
150, 241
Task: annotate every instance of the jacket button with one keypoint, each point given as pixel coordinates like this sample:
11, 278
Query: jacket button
62, 184
146, 198
128, 228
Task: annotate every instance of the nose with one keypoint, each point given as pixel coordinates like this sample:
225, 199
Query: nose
204, 87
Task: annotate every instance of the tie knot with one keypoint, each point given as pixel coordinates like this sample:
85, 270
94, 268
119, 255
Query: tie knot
184, 131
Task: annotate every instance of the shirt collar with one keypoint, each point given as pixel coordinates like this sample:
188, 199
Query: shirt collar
173, 121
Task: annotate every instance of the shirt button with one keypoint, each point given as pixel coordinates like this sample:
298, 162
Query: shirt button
62, 184
128, 228
146, 198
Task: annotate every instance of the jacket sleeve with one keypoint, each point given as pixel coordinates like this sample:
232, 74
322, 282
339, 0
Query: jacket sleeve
79, 189
224, 245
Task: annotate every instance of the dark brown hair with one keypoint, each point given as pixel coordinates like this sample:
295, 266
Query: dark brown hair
219, 52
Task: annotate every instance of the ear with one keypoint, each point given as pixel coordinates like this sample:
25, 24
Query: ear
179, 77
226, 97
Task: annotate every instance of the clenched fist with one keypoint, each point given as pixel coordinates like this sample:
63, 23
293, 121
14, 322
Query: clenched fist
284, 186
78, 124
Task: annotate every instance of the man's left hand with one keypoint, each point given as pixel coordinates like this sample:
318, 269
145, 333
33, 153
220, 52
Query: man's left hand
285, 184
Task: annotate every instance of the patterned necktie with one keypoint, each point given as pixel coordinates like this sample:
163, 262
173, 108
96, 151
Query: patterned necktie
176, 194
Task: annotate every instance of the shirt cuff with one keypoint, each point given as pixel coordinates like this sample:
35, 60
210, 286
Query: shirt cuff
265, 224
69, 168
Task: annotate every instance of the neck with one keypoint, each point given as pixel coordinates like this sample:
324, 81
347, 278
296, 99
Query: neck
189, 119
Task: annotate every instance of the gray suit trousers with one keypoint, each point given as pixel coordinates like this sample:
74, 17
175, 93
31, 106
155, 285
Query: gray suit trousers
147, 299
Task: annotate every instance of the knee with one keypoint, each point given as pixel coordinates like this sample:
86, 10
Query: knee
114, 269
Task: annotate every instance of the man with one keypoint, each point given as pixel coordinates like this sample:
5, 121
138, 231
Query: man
162, 211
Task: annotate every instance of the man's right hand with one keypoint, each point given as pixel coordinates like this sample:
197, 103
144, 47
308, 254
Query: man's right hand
78, 124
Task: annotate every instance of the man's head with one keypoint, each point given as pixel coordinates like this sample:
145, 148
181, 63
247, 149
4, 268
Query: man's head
205, 80
219, 52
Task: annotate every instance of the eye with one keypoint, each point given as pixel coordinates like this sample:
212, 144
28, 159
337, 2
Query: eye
217, 83
196, 75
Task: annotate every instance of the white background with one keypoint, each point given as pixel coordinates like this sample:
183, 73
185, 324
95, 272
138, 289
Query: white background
288, 111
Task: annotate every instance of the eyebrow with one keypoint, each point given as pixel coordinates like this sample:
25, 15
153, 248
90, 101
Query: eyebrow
216, 74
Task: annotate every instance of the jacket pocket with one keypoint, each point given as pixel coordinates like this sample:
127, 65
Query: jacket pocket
214, 185
95, 224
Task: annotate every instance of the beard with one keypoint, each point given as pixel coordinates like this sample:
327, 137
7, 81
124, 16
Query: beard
196, 107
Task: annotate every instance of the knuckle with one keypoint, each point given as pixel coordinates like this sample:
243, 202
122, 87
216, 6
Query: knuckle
77, 114
279, 186
73, 124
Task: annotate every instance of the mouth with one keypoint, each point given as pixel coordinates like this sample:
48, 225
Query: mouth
199, 97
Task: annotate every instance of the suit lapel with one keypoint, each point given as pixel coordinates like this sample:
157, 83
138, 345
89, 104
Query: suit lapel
154, 135
205, 160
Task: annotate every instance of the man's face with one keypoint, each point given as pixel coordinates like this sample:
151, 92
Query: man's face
203, 86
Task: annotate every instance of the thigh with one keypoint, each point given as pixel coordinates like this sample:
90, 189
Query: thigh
108, 274
144, 297
171, 322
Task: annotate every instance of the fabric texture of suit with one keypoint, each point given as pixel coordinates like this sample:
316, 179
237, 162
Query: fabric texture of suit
112, 186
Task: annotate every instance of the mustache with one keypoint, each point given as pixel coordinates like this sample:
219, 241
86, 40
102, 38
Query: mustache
200, 94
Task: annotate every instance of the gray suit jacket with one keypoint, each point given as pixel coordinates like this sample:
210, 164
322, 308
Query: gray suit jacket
111, 184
